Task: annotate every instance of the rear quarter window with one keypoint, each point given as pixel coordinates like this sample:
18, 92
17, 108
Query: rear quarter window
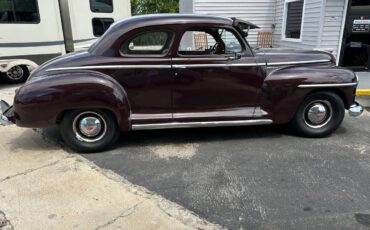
148, 43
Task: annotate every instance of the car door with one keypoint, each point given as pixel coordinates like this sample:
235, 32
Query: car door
145, 74
216, 76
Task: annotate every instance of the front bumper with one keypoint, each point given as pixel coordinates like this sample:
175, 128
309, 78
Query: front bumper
7, 114
356, 110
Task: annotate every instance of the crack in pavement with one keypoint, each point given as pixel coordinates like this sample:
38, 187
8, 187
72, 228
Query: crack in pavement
29, 171
124, 214
4, 222
171, 209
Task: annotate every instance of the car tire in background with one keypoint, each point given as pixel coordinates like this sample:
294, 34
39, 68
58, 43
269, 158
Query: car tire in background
319, 114
17, 74
89, 131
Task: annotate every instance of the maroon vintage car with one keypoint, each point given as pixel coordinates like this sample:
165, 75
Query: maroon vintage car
176, 71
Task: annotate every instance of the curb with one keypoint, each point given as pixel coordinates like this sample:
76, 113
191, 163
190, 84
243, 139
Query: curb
363, 92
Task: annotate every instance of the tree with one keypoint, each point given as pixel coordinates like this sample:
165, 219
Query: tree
154, 6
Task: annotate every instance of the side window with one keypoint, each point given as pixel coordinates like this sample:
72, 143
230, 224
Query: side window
232, 44
100, 25
196, 41
101, 6
154, 42
212, 41
19, 11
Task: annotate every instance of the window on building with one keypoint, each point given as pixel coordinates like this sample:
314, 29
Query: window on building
101, 6
100, 25
19, 11
153, 42
293, 19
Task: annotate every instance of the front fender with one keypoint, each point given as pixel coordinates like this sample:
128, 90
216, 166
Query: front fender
281, 95
42, 100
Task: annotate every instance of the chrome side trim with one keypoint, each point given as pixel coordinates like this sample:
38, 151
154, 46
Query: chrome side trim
298, 62
112, 67
327, 85
173, 125
243, 112
200, 59
185, 66
150, 116
218, 65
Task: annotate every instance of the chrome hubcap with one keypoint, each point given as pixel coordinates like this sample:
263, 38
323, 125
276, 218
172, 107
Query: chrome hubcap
89, 127
317, 114
15, 73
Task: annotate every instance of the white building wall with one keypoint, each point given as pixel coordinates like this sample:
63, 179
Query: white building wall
259, 12
311, 25
333, 18
322, 20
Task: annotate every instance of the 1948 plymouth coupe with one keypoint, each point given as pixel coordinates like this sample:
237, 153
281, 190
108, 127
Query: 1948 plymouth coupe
177, 71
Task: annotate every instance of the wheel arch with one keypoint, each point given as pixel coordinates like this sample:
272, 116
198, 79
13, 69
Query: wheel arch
337, 91
64, 112
57, 93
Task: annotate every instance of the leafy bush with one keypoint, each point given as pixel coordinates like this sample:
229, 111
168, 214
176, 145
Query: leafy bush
154, 6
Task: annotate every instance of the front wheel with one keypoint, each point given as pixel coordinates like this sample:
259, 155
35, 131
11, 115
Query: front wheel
89, 130
319, 115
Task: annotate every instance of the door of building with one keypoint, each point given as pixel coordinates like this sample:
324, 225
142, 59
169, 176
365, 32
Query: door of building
355, 52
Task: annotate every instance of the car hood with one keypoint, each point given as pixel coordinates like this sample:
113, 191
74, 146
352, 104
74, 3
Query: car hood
291, 56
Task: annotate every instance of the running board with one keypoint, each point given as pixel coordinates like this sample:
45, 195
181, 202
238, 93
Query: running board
174, 125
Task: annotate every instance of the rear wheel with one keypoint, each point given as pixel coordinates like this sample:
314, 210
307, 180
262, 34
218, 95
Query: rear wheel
17, 74
319, 115
89, 130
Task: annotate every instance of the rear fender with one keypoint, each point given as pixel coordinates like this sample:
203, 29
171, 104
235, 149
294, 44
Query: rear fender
42, 100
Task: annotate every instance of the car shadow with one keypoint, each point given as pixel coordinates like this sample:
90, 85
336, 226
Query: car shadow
173, 136
199, 135
5, 85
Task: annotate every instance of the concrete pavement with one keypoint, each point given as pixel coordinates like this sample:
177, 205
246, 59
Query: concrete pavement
43, 186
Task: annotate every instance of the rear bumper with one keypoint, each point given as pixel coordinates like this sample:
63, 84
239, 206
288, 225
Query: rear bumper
7, 114
356, 110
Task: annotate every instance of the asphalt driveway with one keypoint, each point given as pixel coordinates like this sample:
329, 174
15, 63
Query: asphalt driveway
254, 177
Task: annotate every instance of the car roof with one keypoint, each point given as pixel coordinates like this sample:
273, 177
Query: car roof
156, 19
123, 26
